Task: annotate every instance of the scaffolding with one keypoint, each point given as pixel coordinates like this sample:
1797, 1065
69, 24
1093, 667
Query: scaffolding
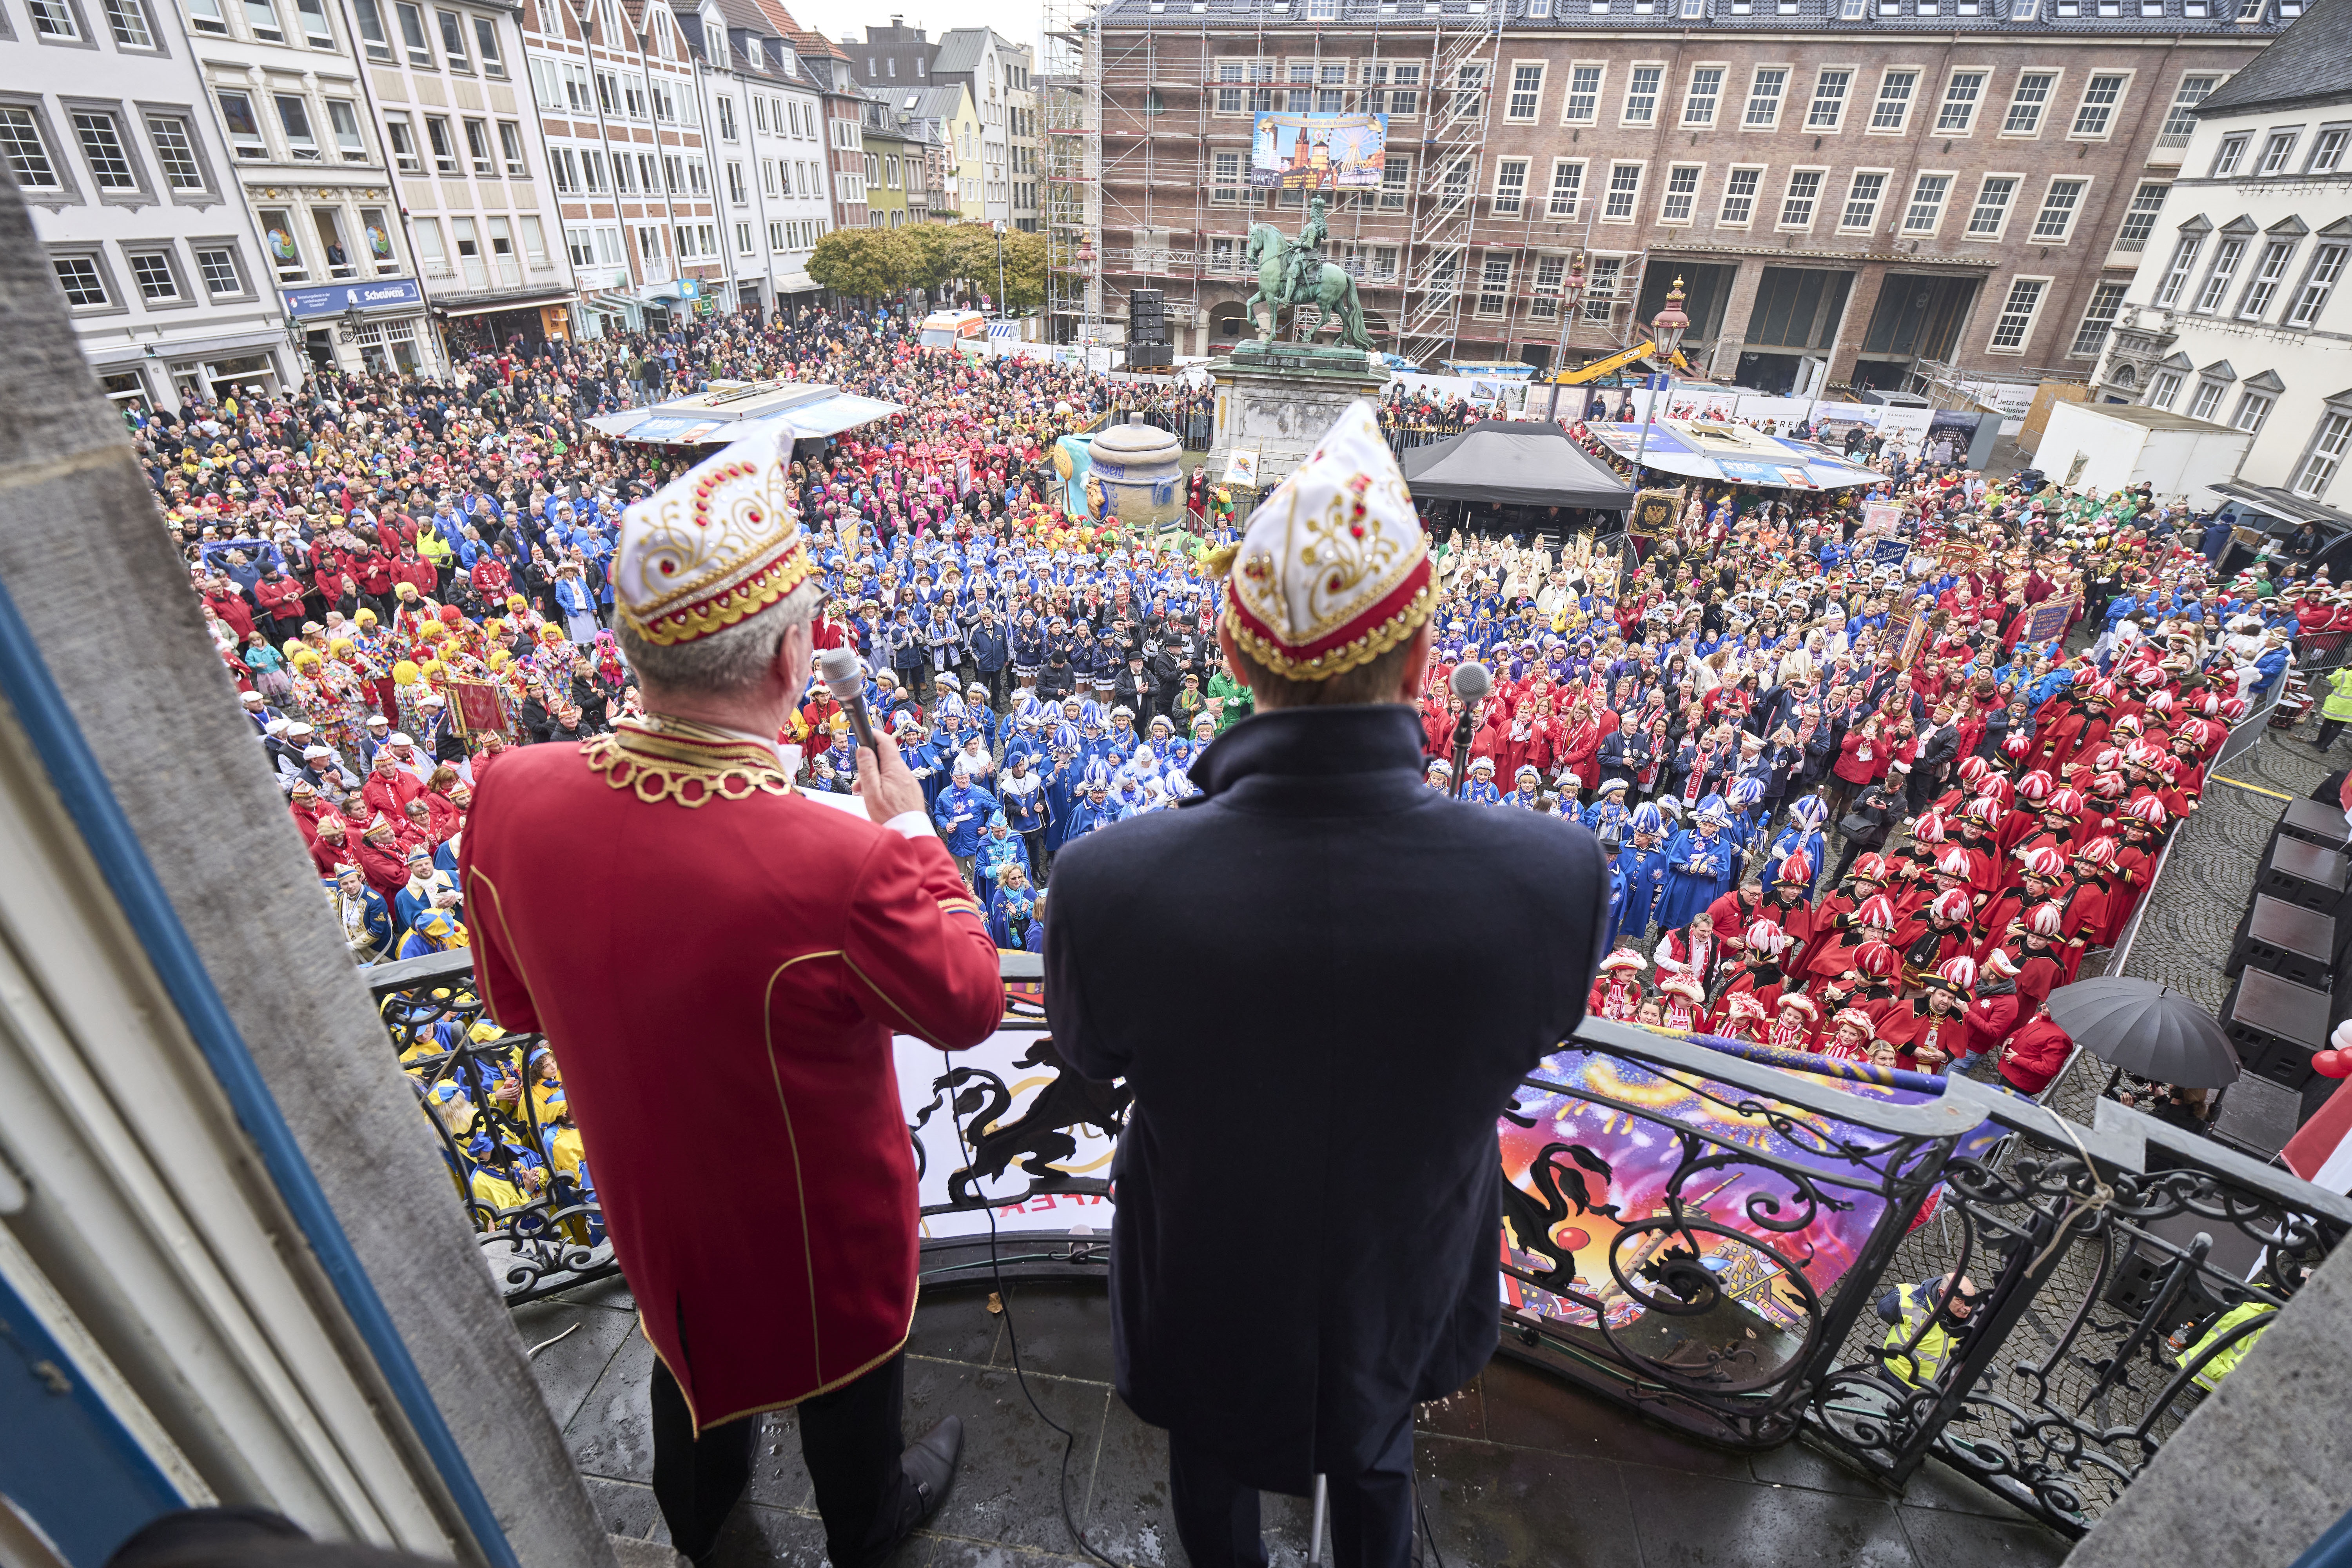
1070, 101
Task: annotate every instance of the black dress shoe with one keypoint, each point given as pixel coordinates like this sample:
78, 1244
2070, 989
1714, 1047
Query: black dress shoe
928, 1466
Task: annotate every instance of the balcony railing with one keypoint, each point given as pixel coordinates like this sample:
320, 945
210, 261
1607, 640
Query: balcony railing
1745, 1251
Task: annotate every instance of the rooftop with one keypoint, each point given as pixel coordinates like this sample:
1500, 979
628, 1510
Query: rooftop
2031, 18
2311, 62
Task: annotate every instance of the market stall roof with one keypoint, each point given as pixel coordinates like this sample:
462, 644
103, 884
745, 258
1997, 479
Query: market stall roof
1513, 463
730, 411
1733, 454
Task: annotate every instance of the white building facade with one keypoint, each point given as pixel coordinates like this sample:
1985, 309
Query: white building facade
134, 195
766, 117
2238, 314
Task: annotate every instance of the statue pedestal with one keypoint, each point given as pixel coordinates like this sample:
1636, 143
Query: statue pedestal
1277, 400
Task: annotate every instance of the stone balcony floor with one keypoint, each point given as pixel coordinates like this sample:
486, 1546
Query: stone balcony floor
1518, 1470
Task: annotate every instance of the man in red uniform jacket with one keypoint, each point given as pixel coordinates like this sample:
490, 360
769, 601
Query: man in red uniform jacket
720, 981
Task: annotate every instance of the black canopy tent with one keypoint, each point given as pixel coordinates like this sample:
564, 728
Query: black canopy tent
1504, 462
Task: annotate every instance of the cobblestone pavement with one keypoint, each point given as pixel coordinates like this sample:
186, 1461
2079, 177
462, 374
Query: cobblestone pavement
1517, 1470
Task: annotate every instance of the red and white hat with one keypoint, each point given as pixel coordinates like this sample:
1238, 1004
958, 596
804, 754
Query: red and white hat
1798, 1002
2043, 862
2046, 920
1870, 868
1743, 1005
1855, 1018
2099, 851
1683, 986
1878, 909
1955, 974
1797, 868
1332, 570
1765, 937
719, 543
1623, 960
1952, 907
1998, 963
1954, 863
1877, 961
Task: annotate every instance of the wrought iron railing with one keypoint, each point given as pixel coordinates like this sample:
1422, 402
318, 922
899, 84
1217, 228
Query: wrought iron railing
1691, 1227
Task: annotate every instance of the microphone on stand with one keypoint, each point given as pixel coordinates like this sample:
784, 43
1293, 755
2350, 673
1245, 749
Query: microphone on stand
844, 677
1471, 681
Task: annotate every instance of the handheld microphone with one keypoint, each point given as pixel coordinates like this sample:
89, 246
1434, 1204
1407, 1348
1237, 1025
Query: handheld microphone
1471, 681
844, 677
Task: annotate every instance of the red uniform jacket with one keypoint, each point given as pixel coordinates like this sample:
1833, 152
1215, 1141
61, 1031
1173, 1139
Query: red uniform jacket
721, 983
2035, 1054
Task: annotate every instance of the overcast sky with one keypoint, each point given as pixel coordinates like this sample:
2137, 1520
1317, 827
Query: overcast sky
847, 19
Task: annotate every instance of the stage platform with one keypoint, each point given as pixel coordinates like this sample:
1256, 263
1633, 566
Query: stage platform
1518, 1470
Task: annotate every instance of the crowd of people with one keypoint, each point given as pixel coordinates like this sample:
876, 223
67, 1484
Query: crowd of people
1870, 794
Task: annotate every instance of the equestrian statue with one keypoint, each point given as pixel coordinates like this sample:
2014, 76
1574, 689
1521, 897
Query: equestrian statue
1293, 272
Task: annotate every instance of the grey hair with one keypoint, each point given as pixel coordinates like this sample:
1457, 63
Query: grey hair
724, 663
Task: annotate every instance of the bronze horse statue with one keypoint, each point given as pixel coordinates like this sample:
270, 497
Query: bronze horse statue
1330, 290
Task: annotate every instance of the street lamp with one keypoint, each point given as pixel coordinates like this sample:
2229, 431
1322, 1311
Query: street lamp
1667, 329
1571, 296
999, 226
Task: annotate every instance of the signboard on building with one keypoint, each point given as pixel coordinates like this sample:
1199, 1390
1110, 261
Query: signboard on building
1318, 151
336, 298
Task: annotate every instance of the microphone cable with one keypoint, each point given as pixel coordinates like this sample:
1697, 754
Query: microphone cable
1011, 1339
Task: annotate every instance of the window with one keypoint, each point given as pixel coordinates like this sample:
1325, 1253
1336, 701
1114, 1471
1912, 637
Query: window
1527, 92
217, 265
1764, 98
1862, 199
2208, 401
2015, 323
1396, 180
1924, 212
1453, 186
1549, 271
1567, 187
2106, 303
1738, 198
1682, 193
2180, 122
2326, 266
1706, 93
1582, 106
1960, 97
2317, 470
317, 31
510, 150
277, 239
372, 34
2229, 154
743, 246
444, 147
1384, 263
1510, 185
261, 16
1991, 211
344, 117
205, 17
2270, 273
2026, 104
726, 119
102, 147
1829, 101
580, 244
1395, 91
2254, 409
2176, 275
2056, 217
1602, 275
1225, 177
2232, 251
2139, 218
1797, 203
1893, 106
1469, 99
1493, 284
2096, 115
1641, 95
412, 34
1624, 190
453, 38
84, 285
294, 119
375, 230
54, 19
486, 45
478, 150
159, 283
402, 141
1445, 272
175, 152
127, 19
2163, 389
29, 157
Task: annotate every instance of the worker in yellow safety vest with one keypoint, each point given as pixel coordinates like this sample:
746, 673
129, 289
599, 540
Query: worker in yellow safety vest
2210, 1375
1944, 1308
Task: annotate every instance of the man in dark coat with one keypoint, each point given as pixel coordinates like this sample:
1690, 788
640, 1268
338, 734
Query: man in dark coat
1378, 998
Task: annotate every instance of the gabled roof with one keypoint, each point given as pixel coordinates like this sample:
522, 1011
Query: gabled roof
2311, 62
960, 52
2012, 19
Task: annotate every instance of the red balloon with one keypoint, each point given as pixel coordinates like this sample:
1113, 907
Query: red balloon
2332, 1064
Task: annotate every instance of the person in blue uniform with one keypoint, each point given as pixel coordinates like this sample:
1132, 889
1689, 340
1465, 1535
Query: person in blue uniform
1699, 866
1324, 884
1643, 858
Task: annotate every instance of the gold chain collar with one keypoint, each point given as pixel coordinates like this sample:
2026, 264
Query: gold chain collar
662, 758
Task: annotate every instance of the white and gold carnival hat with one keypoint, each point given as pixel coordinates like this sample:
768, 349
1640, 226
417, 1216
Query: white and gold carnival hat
1332, 570
718, 544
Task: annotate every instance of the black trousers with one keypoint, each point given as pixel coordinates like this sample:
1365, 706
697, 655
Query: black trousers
2329, 729
1371, 1512
850, 1440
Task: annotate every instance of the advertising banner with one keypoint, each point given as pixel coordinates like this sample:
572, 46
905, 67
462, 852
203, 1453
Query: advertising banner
1318, 151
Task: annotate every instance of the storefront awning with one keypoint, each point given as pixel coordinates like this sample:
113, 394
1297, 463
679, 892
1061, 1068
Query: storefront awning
514, 302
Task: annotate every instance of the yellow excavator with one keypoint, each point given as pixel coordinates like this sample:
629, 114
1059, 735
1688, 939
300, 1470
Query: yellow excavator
1616, 362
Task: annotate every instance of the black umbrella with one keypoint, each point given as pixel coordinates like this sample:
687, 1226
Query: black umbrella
2147, 1027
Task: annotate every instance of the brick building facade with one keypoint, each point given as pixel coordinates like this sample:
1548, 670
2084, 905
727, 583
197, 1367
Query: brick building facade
1848, 188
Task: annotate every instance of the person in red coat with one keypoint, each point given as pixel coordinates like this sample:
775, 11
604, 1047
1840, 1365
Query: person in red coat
789, 940
1992, 1012
2035, 1054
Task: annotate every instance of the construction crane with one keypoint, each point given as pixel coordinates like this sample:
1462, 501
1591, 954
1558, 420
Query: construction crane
1600, 367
